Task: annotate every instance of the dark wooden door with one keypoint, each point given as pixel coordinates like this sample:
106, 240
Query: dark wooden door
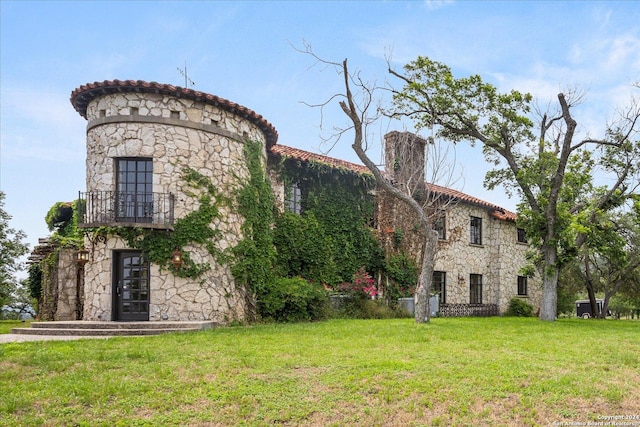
131, 286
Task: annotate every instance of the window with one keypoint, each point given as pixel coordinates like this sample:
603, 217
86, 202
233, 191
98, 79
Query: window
134, 190
522, 285
440, 225
476, 231
293, 199
522, 236
475, 289
440, 285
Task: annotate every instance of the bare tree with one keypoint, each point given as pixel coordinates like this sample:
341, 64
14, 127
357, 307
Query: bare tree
404, 176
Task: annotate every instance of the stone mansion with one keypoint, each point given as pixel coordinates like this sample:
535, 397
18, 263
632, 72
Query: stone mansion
141, 135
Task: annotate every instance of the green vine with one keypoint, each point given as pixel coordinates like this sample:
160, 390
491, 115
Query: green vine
194, 228
254, 256
332, 238
62, 219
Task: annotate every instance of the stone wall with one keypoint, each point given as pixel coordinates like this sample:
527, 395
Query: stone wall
498, 259
69, 286
61, 293
175, 133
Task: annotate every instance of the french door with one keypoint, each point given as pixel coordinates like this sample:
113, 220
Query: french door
134, 195
131, 286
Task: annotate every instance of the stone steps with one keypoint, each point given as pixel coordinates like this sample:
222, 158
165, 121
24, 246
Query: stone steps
86, 329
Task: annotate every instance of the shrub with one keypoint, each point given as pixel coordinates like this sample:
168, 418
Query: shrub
293, 300
403, 274
355, 300
519, 308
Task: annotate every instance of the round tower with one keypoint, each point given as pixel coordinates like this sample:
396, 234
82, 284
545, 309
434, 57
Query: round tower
156, 153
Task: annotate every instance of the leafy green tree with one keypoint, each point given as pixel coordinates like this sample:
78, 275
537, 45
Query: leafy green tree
544, 161
12, 248
609, 259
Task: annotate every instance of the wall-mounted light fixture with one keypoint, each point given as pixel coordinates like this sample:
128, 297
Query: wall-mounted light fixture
176, 259
82, 257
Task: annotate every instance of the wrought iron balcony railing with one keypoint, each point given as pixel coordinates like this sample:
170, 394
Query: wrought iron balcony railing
117, 208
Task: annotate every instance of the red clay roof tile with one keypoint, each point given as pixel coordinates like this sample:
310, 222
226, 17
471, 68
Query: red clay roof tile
84, 94
306, 156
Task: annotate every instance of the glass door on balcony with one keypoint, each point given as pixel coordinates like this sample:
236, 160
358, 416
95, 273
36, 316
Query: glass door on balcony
131, 286
134, 190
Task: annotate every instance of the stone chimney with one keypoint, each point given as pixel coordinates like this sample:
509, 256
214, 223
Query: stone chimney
405, 160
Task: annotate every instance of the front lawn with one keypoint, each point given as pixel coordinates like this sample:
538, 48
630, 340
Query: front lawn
489, 371
7, 325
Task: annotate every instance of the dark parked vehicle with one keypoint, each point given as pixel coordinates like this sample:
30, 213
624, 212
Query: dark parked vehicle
583, 308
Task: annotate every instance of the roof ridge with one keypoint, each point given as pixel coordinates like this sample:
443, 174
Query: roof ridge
303, 155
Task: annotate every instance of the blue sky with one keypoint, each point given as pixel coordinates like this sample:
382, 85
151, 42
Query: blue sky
243, 51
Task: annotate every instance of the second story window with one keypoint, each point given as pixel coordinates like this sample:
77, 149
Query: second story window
476, 231
440, 225
522, 236
293, 199
134, 190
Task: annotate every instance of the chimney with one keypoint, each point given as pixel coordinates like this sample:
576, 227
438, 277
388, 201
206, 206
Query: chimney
405, 160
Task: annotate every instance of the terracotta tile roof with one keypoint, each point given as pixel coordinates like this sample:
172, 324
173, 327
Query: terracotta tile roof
306, 156
84, 94
494, 210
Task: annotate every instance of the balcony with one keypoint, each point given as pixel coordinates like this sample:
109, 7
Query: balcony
125, 209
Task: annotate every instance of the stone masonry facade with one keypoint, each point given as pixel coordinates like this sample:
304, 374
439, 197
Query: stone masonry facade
174, 129
176, 132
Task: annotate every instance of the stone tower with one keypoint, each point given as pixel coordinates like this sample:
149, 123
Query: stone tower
141, 137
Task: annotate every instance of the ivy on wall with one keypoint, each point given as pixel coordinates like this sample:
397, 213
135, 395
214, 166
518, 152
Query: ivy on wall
254, 256
339, 200
193, 228
304, 248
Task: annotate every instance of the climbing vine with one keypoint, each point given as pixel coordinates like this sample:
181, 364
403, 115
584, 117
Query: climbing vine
193, 228
254, 256
339, 200
62, 219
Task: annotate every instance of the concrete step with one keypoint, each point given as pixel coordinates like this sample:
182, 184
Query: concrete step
82, 328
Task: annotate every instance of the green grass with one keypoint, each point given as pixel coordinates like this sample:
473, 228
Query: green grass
491, 371
7, 325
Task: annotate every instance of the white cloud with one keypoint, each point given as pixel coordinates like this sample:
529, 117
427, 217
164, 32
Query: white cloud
437, 4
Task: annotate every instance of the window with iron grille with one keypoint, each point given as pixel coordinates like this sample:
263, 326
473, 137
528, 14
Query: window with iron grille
522, 285
475, 289
440, 285
476, 231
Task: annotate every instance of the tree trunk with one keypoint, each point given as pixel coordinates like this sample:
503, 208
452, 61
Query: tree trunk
592, 298
549, 305
423, 290
590, 290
